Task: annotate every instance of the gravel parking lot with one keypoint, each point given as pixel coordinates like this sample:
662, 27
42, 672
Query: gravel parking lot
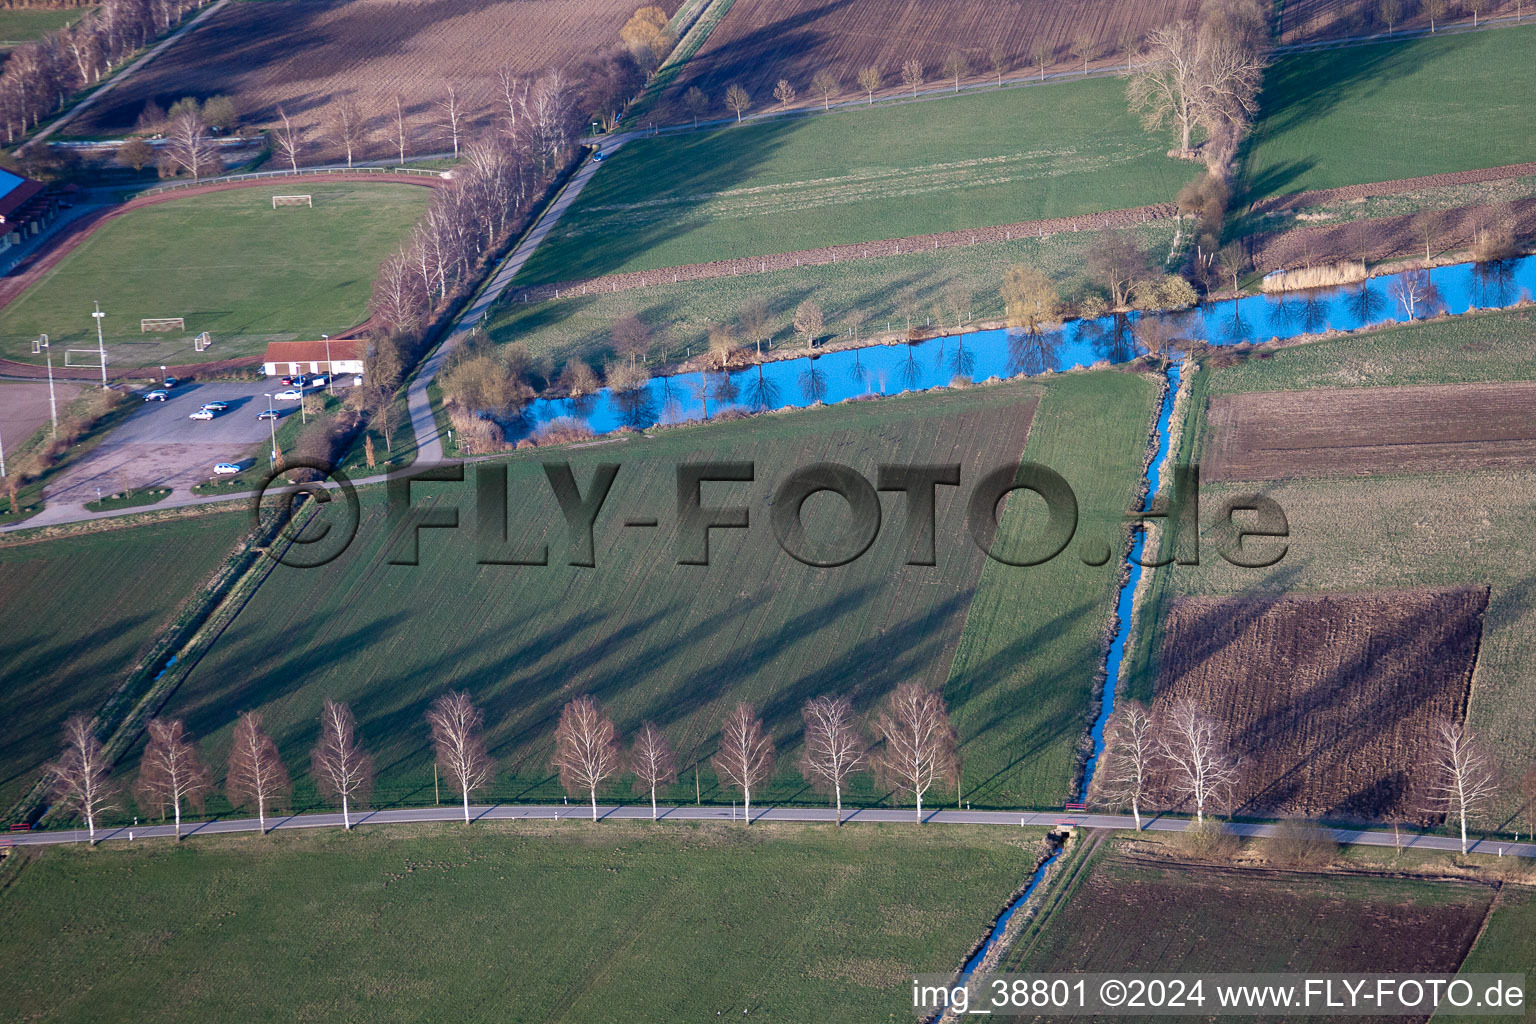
160, 446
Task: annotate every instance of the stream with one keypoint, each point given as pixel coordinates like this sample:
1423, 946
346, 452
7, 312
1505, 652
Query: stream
978, 355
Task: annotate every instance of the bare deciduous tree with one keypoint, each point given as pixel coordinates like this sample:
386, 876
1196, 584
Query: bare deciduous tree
451, 116
630, 337
722, 343
920, 744
737, 100
912, 72
809, 321
1462, 777
1391, 12
869, 80
1200, 767
1085, 47
1000, 62
1125, 768
395, 130
188, 145
697, 103
745, 758
586, 748
1428, 224
348, 124
784, 92
287, 139
826, 82
1195, 77
80, 780
461, 752
956, 66
652, 762
834, 747
1116, 259
256, 774
1435, 9
755, 326
1409, 290
343, 771
1041, 55
171, 773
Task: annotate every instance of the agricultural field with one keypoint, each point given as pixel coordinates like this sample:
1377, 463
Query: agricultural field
1509, 939
20, 25
1329, 701
1369, 431
1393, 110
228, 263
541, 922
1133, 912
878, 290
75, 616
860, 175
761, 41
1452, 528
307, 56
681, 644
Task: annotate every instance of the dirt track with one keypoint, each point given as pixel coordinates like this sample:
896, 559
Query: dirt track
34, 267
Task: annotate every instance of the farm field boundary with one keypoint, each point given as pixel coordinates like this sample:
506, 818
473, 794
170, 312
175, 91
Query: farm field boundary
1325, 698
1280, 435
843, 253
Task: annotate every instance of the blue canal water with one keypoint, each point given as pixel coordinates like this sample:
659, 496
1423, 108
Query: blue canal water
978, 355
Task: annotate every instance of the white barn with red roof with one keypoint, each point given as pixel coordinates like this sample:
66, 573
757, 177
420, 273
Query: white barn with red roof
337, 355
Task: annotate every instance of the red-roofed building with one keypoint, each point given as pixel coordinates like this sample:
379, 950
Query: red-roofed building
23, 208
334, 356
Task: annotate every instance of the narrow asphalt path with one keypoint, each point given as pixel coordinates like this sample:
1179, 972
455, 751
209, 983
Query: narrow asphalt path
429, 443
611, 812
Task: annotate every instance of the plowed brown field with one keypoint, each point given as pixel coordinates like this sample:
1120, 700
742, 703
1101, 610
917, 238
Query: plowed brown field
1281, 435
761, 41
1327, 700
307, 54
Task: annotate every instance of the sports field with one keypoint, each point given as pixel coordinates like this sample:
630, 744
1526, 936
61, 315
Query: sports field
19, 26
228, 263
680, 644
504, 921
77, 613
1394, 110
860, 175
1451, 526
880, 292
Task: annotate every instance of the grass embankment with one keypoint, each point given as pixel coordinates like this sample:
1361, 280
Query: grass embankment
135, 498
861, 175
525, 922
75, 615
228, 263
878, 291
1137, 909
1454, 527
1394, 110
681, 644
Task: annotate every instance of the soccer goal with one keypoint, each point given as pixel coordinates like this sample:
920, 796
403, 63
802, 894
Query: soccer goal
292, 201
86, 358
202, 341
162, 323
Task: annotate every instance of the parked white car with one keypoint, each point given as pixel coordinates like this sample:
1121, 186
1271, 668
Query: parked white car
227, 468
291, 395
203, 414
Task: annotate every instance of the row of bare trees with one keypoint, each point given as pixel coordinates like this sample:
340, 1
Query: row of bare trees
917, 752
41, 75
917, 749
1178, 755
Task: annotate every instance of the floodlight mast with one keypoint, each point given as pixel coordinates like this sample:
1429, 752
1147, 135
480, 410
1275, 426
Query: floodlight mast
53, 407
101, 345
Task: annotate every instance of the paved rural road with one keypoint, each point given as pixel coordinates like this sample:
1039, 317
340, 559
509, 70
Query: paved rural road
429, 444
607, 812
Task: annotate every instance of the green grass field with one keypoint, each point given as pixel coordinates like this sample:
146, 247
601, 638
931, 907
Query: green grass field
506, 922
861, 175
681, 644
1135, 913
226, 262
875, 289
1394, 110
1508, 943
1455, 527
75, 615
21, 25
